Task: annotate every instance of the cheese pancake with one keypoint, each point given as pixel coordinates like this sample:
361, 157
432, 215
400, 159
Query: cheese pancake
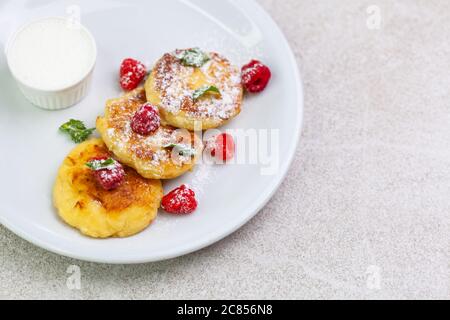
172, 86
152, 156
83, 203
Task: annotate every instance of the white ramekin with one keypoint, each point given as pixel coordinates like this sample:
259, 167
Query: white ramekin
60, 98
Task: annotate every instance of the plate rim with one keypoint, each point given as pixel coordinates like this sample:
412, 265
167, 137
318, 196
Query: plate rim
242, 219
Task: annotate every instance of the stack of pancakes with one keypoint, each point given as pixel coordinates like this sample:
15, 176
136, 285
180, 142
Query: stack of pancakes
129, 209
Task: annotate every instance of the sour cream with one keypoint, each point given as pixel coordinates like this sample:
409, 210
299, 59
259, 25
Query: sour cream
52, 55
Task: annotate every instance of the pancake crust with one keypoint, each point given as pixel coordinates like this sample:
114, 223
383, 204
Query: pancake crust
149, 155
82, 203
171, 86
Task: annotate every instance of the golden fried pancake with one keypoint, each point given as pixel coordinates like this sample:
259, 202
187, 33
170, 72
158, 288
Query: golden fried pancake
85, 205
149, 155
171, 86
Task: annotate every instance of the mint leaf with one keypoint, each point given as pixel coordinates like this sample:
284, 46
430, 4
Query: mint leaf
76, 130
205, 90
182, 149
101, 164
193, 57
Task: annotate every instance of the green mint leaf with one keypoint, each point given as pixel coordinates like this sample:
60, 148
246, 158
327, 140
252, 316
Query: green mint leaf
182, 149
76, 130
205, 90
170, 145
193, 57
101, 164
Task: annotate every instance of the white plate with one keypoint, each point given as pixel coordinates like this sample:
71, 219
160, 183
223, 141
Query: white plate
32, 149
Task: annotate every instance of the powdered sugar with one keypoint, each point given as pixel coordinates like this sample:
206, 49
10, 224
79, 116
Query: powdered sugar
203, 176
148, 148
177, 82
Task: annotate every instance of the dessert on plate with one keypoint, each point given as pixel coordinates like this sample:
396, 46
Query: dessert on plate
100, 197
111, 187
131, 129
192, 86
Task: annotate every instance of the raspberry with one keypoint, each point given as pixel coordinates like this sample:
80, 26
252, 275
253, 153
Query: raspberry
223, 147
110, 178
132, 72
146, 120
255, 76
180, 201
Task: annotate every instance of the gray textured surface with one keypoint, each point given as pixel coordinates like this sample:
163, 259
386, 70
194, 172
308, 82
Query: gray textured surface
367, 197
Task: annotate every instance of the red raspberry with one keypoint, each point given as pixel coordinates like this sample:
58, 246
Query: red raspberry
223, 147
146, 120
109, 179
132, 72
255, 76
180, 201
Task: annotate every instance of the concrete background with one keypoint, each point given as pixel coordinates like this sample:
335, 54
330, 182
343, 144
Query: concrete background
364, 212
